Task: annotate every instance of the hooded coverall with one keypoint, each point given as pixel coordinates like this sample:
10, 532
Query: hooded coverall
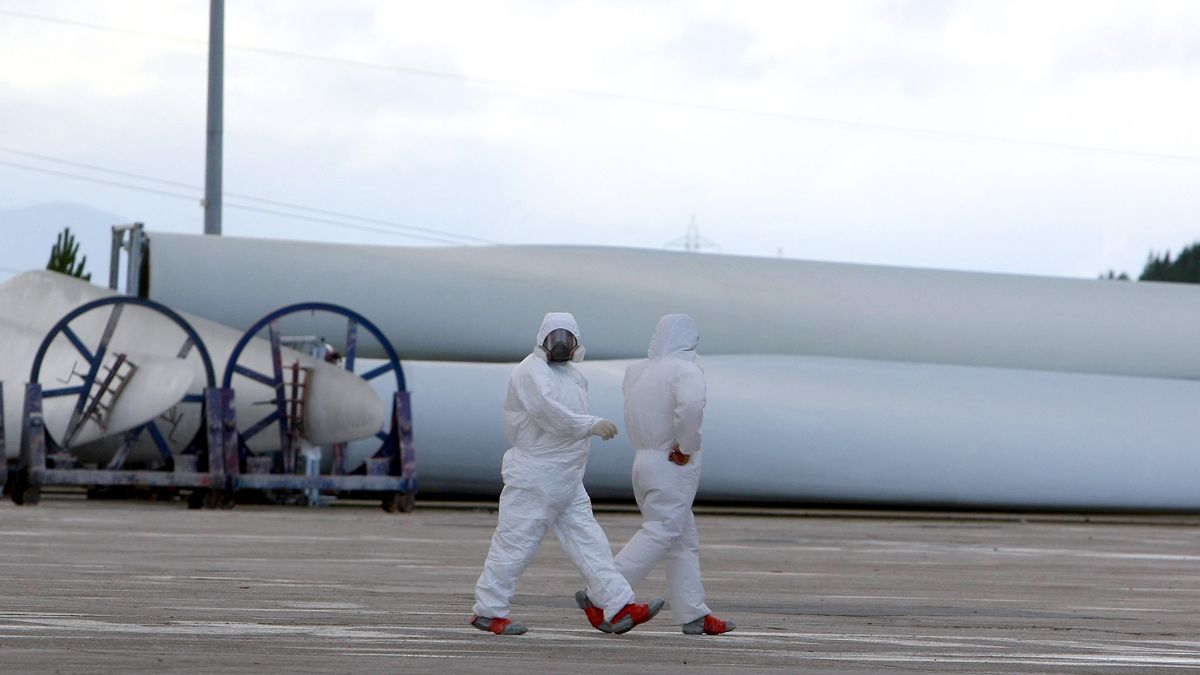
546, 419
664, 408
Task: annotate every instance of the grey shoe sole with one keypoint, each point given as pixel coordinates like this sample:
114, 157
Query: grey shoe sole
581, 599
697, 627
485, 624
654, 607
623, 626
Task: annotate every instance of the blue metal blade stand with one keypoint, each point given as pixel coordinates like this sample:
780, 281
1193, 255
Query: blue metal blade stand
390, 474
204, 464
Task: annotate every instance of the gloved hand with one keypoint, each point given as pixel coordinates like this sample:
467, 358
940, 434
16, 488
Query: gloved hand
604, 429
676, 456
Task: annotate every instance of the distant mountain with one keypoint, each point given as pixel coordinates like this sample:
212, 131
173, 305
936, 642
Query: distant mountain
28, 234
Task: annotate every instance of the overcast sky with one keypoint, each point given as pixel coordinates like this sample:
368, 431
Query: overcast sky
1035, 137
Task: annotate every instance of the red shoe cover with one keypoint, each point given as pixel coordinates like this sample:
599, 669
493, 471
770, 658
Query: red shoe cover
497, 626
595, 616
715, 626
638, 611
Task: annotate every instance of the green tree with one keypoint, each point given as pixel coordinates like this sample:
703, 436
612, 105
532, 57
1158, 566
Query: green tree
1185, 268
62, 256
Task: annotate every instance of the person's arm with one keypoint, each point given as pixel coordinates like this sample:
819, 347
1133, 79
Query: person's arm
534, 392
690, 396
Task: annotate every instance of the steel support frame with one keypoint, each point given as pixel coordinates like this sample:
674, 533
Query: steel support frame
221, 441
218, 425
396, 443
135, 249
218, 411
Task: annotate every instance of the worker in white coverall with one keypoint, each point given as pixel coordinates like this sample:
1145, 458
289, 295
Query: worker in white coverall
664, 408
546, 419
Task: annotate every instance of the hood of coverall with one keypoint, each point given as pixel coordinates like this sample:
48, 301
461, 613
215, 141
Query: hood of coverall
675, 335
553, 321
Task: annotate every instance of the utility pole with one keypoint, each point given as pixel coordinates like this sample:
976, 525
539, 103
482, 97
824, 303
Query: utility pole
216, 105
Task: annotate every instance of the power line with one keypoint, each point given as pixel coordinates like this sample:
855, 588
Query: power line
354, 226
94, 167
195, 198
424, 233
446, 236
852, 125
99, 26
101, 181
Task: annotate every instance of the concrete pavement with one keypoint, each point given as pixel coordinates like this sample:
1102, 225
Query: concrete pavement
139, 586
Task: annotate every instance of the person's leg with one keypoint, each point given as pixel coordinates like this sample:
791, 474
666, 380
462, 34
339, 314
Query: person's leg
522, 524
685, 590
665, 498
586, 544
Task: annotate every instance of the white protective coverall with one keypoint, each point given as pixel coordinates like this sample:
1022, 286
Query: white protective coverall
546, 419
664, 407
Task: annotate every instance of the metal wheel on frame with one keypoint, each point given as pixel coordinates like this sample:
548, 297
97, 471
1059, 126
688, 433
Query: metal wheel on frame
103, 375
276, 380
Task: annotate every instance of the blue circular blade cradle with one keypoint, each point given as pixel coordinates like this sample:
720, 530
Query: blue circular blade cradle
396, 442
95, 358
